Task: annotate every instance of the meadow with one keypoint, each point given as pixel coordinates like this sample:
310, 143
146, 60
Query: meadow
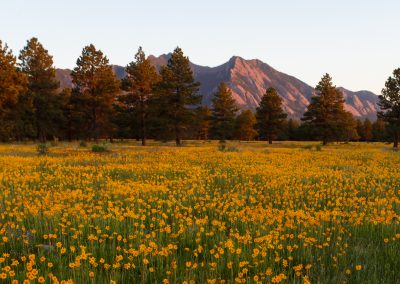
288, 213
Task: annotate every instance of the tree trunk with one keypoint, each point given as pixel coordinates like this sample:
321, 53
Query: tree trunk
324, 142
178, 136
396, 140
143, 125
269, 138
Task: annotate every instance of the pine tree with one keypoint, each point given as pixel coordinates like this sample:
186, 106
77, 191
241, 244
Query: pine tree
244, 126
177, 95
389, 103
379, 130
270, 115
293, 126
95, 91
367, 127
360, 129
139, 85
326, 114
202, 123
223, 113
12, 85
42, 103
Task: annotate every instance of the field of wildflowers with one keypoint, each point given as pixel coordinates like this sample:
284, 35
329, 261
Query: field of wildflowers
288, 213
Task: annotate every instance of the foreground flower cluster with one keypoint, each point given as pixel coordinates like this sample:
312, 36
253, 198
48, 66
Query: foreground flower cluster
197, 215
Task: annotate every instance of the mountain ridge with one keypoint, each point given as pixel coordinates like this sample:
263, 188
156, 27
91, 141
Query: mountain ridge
248, 80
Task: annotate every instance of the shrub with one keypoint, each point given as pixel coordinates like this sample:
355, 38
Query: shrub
42, 149
222, 145
99, 148
83, 144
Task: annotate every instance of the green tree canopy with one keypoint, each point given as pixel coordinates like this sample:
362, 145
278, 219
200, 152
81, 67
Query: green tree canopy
42, 101
270, 115
95, 91
139, 86
178, 95
326, 114
12, 85
244, 126
389, 103
223, 113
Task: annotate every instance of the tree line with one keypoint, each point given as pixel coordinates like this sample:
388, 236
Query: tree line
165, 104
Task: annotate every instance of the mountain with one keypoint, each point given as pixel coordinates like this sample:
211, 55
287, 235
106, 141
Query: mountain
248, 80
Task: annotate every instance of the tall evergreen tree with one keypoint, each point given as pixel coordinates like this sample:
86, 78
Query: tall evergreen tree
95, 91
202, 123
326, 114
293, 126
223, 113
379, 130
42, 93
270, 115
389, 103
177, 93
367, 126
244, 126
139, 85
360, 129
12, 85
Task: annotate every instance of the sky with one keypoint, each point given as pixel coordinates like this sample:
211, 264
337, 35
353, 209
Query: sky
357, 42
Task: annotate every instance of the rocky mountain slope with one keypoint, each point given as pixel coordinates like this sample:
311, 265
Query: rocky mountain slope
248, 80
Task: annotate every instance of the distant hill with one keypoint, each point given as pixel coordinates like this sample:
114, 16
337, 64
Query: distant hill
248, 80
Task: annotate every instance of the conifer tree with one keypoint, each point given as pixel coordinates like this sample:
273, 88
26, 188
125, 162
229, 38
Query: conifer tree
139, 85
244, 126
12, 85
367, 126
293, 126
270, 115
379, 130
202, 123
42, 105
389, 103
95, 91
223, 113
177, 95
326, 114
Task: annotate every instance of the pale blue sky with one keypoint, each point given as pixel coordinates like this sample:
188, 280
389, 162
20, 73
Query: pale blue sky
357, 42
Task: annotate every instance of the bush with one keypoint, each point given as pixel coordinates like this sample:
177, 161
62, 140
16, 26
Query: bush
42, 149
83, 144
222, 145
99, 148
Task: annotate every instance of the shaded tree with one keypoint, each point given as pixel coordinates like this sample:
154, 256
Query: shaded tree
12, 85
95, 91
389, 103
270, 115
223, 113
367, 126
202, 123
42, 105
139, 85
293, 126
177, 95
244, 126
379, 132
326, 114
